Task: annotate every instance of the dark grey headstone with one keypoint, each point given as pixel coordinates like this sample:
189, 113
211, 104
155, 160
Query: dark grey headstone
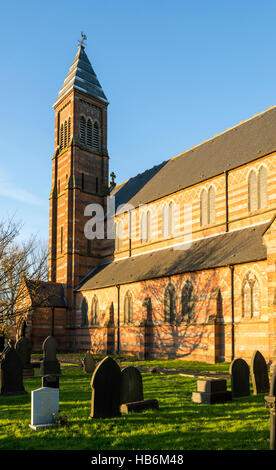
259, 373
11, 373
24, 349
88, 363
106, 385
239, 371
50, 366
131, 385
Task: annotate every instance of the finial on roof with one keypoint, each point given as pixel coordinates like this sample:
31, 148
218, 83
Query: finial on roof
83, 38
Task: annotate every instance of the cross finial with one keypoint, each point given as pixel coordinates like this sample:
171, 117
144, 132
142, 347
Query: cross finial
83, 38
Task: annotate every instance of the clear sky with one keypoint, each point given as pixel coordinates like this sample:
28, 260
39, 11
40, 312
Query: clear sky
175, 73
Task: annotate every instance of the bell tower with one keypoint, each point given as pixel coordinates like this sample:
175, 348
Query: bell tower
80, 169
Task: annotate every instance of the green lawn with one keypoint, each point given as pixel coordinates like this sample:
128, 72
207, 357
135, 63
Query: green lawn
180, 424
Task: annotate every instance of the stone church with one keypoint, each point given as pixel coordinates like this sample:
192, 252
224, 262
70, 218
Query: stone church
190, 272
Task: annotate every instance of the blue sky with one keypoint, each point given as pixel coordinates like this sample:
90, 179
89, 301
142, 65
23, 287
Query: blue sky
175, 73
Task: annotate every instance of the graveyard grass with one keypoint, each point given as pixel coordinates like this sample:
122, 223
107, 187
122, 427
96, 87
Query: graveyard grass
180, 424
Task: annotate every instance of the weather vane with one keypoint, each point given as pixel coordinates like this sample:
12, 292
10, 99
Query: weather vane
83, 38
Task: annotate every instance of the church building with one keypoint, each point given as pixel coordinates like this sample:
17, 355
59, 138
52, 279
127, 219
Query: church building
190, 272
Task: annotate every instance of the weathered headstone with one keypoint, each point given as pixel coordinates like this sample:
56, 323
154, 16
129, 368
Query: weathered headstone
271, 405
88, 363
259, 373
211, 391
239, 371
44, 407
106, 385
11, 372
24, 349
131, 385
50, 367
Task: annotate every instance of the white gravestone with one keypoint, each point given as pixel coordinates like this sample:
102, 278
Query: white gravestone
45, 404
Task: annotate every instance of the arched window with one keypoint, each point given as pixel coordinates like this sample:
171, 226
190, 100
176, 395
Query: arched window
61, 138
262, 187
96, 136
69, 130
187, 301
169, 303
89, 133
128, 307
65, 133
84, 310
119, 235
250, 296
148, 226
143, 227
165, 221
211, 205
252, 191
203, 207
171, 218
95, 311
82, 130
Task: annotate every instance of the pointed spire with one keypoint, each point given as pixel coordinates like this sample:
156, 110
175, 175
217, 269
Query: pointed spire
81, 76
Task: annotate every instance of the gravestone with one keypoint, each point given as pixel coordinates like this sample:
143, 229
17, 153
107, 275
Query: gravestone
259, 373
106, 385
44, 408
211, 391
271, 405
131, 385
88, 363
24, 349
11, 372
50, 367
239, 371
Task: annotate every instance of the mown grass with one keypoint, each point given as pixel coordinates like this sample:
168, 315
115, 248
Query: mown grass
180, 424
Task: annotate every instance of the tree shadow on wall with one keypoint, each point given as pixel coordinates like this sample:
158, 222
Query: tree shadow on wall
174, 330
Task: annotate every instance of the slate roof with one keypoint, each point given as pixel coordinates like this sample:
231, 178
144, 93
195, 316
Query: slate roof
229, 248
45, 293
237, 146
82, 77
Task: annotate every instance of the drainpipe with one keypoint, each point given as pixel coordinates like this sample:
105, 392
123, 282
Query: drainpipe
232, 314
118, 321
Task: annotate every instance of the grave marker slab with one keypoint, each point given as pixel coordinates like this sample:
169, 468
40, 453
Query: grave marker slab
131, 385
138, 406
24, 349
259, 373
211, 391
240, 374
50, 367
11, 372
88, 363
106, 385
44, 405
